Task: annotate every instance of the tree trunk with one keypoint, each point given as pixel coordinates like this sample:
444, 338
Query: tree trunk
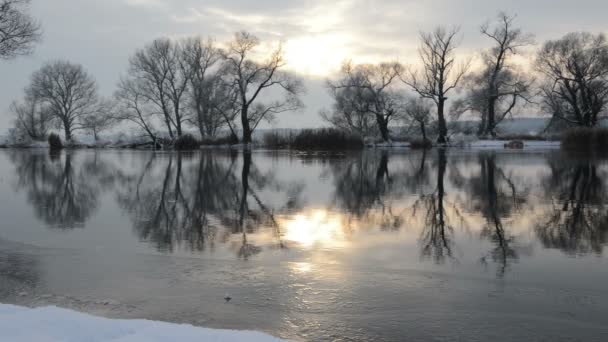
245, 189
245, 124
383, 127
67, 130
178, 122
423, 131
443, 127
491, 124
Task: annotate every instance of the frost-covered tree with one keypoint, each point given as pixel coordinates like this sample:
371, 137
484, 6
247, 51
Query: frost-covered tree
19, 32
68, 92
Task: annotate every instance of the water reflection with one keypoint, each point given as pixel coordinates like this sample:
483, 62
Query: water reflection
439, 217
195, 200
496, 196
62, 194
577, 222
251, 202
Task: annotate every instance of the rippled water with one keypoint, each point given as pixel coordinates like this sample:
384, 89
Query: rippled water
373, 246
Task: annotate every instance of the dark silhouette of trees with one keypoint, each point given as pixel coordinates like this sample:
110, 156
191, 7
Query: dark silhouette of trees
252, 80
211, 99
418, 113
496, 90
440, 74
160, 74
19, 32
68, 91
369, 90
575, 69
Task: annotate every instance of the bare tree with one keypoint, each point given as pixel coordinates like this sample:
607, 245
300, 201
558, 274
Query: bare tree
101, 119
69, 92
162, 75
576, 72
18, 30
251, 78
348, 111
208, 91
439, 74
373, 86
134, 107
32, 118
499, 86
418, 112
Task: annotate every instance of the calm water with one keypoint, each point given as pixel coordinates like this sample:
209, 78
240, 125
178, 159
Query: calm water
436, 246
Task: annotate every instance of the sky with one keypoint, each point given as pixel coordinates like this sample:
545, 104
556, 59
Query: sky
317, 34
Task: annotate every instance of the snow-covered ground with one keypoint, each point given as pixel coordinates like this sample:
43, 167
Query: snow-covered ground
52, 324
500, 144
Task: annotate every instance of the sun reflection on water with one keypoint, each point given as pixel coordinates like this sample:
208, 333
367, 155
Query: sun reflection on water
316, 228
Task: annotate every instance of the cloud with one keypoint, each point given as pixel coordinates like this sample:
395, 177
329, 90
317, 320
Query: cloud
317, 33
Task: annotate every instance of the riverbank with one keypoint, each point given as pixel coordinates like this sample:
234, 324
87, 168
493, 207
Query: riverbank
20, 324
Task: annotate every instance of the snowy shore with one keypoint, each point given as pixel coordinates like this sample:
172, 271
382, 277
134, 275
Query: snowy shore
52, 324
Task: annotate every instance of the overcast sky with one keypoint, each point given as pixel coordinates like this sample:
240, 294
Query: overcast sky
318, 34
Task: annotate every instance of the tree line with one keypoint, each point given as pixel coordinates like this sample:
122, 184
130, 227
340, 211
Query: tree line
173, 85
569, 81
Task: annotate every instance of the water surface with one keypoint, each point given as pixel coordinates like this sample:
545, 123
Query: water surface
372, 246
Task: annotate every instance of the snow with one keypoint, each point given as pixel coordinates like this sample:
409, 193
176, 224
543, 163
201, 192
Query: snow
52, 324
500, 144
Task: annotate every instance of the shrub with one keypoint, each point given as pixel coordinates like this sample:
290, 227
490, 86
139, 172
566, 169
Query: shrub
421, 144
326, 139
228, 139
186, 142
586, 139
55, 142
276, 140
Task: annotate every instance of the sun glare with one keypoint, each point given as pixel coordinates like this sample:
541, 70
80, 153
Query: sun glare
316, 228
316, 56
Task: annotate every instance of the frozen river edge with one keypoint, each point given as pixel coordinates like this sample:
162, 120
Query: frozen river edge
52, 324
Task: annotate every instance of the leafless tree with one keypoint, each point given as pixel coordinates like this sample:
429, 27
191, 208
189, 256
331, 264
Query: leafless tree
31, 118
69, 92
576, 78
374, 85
418, 112
162, 75
210, 96
18, 30
132, 106
499, 86
440, 74
348, 111
252, 79
101, 119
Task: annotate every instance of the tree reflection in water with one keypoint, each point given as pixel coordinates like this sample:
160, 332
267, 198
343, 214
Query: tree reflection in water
193, 199
578, 220
436, 239
366, 189
61, 187
495, 195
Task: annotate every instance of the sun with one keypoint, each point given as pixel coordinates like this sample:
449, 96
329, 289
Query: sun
319, 55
